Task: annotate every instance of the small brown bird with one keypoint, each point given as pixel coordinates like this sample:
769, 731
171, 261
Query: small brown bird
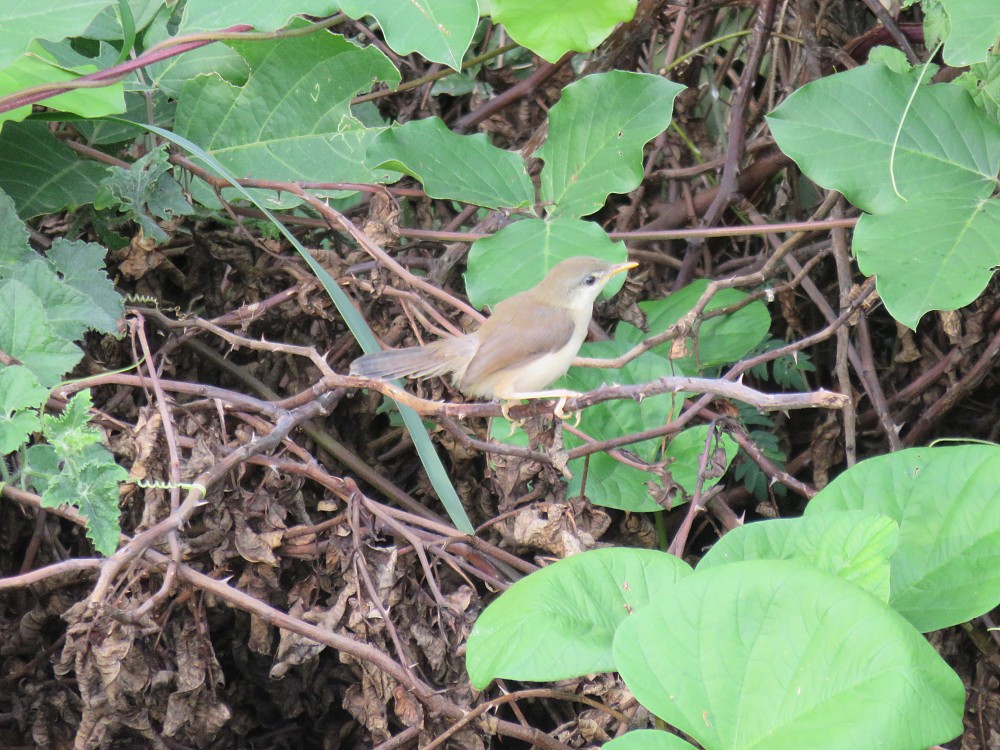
530, 340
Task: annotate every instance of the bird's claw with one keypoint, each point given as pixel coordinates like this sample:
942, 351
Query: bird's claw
560, 414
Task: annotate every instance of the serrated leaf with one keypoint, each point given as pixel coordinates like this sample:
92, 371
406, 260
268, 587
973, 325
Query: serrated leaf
75, 469
292, 119
597, 131
932, 253
20, 398
144, 192
28, 337
81, 266
559, 622
946, 145
773, 654
855, 545
439, 30
22, 21
466, 168
946, 501
550, 29
73, 303
519, 255
43, 175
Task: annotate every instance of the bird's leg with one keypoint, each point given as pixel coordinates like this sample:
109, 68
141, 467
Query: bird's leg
559, 393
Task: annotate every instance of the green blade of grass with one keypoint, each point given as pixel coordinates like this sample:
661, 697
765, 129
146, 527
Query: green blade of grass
436, 471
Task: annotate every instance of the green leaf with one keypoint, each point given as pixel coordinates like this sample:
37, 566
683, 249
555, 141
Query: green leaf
559, 621
648, 739
596, 134
144, 192
609, 482
684, 452
80, 266
40, 68
170, 76
519, 255
75, 469
550, 29
108, 24
52, 300
983, 84
436, 472
720, 340
946, 501
934, 253
22, 21
292, 119
28, 337
840, 130
137, 107
42, 174
612, 484
466, 168
855, 545
439, 30
263, 15
20, 398
975, 26
771, 654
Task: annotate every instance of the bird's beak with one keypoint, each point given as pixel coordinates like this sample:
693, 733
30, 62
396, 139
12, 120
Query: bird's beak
621, 267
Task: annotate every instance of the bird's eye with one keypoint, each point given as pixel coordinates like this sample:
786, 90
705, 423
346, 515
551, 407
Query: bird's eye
590, 280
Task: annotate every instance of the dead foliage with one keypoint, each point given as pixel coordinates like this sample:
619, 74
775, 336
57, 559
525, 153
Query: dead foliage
314, 594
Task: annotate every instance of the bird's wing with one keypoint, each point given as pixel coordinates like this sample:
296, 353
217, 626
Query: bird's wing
543, 329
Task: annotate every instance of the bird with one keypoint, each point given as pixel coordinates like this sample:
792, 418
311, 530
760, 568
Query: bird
529, 341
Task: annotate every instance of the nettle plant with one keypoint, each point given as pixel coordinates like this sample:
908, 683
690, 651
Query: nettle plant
794, 633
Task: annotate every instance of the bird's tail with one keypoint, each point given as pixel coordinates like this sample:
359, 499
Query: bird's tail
428, 361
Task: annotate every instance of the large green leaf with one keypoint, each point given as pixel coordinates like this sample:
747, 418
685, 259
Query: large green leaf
466, 168
439, 30
946, 501
718, 340
596, 134
171, 75
559, 621
936, 252
40, 68
609, 482
519, 255
975, 26
841, 131
263, 15
22, 21
550, 28
855, 545
42, 174
648, 739
292, 119
773, 654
